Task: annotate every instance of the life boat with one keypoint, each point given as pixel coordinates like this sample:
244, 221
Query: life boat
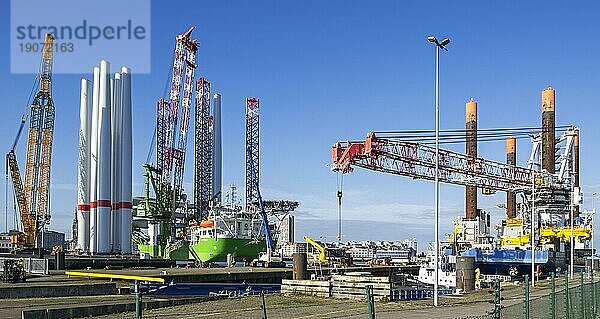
207, 223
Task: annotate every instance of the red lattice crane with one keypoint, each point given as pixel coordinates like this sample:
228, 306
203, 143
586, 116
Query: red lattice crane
416, 160
171, 146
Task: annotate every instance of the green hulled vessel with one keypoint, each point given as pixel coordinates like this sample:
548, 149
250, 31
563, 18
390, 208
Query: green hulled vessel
216, 249
179, 252
210, 250
227, 230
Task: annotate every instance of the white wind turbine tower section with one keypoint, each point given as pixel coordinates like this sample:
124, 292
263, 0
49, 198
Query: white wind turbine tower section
93, 179
104, 167
126, 162
103, 201
115, 125
83, 185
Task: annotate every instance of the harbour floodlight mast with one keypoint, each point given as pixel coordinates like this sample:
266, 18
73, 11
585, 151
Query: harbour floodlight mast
438, 45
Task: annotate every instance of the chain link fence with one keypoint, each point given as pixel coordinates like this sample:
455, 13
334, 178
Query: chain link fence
566, 297
562, 297
576, 297
271, 306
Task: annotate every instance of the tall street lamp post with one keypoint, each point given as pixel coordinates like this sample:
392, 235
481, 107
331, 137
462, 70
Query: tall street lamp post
438, 46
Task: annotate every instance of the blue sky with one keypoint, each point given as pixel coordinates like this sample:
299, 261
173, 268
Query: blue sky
335, 70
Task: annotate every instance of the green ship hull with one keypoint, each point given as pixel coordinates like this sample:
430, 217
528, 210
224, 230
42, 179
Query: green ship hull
216, 250
181, 253
210, 250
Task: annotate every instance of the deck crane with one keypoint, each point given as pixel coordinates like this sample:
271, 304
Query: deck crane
171, 140
417, 160
322, 251
32, 196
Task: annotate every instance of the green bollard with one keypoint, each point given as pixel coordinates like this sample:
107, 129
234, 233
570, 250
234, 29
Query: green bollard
553, 296
370, 301
567, 306
138, 301
526, 313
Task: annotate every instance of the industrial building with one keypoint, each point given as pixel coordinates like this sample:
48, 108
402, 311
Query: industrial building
286, 230
6, 245
50, 239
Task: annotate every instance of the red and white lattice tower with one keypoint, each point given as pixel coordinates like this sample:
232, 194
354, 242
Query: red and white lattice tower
203, 149
171, 145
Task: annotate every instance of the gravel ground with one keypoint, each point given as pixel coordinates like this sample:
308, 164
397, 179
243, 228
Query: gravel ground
296, 306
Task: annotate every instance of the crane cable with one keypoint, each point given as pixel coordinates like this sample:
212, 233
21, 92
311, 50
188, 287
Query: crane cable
340, 186
24, 117
153, 140
455, 136
497, 129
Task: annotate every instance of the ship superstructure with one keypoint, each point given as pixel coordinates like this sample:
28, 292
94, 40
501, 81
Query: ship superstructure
227, 230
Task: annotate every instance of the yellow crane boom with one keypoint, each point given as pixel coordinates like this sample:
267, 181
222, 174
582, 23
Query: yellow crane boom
29, 224
321, 249
32, 195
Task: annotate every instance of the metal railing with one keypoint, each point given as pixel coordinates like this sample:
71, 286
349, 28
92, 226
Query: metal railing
31, 265
577, 298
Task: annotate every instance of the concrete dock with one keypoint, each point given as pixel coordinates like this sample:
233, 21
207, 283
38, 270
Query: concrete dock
60, 296
248, 274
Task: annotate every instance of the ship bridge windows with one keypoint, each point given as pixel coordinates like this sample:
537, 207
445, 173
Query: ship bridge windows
207, 232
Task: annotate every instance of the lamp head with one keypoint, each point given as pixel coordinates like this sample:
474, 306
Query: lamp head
432, 39
444, 42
